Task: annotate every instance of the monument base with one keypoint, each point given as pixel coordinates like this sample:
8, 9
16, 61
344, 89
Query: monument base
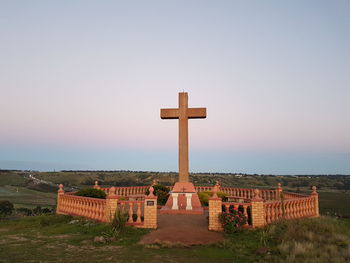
183, 199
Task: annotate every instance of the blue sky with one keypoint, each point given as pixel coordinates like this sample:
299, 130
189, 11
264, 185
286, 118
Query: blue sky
82, 83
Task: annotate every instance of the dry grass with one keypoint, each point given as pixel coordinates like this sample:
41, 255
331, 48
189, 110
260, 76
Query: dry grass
312, 240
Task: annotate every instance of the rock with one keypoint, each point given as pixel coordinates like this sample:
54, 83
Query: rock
263, 250
100, 240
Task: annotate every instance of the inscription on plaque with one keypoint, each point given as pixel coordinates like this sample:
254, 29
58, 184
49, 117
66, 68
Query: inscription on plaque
150, 203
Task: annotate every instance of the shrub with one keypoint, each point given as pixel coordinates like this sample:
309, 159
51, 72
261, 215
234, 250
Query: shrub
6, 208
37, 210
204, 197
118, 221
232, 221
91, 192
24, 211
162, 192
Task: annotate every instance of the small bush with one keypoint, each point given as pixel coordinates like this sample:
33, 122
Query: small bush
91, 192
24, 211
6, 208
204, 197
37, 210
118, 221
232, 221
162, 192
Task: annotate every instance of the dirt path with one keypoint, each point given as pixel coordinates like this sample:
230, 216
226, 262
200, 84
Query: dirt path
184, 229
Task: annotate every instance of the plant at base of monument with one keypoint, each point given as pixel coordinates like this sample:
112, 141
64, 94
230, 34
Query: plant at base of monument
119, 221
6, 208
162, 192
91, 192
204, 197
232, 221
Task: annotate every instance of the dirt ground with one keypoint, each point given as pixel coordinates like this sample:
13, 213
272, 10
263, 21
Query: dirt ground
182, 229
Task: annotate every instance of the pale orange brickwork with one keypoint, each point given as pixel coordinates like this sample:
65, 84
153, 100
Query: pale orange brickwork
60, 192
215, 209
315, 196
111, 204
257, 210
150, 210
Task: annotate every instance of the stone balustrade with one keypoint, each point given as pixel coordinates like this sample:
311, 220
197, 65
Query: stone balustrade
127, 191
266, 194
92, 208
263, 207
134, 209
141, 209
289, 209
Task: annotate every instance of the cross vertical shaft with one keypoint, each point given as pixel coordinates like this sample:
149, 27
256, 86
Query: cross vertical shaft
183, 113
183, 138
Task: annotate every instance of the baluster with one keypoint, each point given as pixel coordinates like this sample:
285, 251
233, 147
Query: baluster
102, 209
86, 211
273, 213
76, 206
95, 210
245, 213
267, 209
227, 208
138, 220
94, 214
280, 210
309, 207
130, 212
293, 209
286, 210
87, 204
89, 209
301, 208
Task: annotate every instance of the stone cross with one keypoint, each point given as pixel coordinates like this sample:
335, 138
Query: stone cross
183, 113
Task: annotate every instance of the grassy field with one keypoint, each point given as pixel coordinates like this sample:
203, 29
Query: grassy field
52, 238
18, 188
24, 197
335, 203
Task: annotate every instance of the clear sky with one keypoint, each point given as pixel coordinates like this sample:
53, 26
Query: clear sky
82, 83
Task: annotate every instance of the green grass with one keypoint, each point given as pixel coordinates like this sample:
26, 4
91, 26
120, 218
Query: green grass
24, 197
335, 203
51, 238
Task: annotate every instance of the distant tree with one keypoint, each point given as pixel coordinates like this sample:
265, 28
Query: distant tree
6, 208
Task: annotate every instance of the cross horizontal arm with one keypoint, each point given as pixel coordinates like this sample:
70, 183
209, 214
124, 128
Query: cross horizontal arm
197, 113
169, 113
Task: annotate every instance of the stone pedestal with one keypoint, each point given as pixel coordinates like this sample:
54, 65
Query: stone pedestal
183, 199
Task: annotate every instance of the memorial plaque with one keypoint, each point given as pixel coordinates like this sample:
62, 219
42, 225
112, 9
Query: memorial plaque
150, 203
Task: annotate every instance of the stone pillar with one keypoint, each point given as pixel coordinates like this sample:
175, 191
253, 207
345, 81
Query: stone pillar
175, 205
188, 201
150, 210
257, 211
315, 195
279, 191
215, 209
111, 205
60, 192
